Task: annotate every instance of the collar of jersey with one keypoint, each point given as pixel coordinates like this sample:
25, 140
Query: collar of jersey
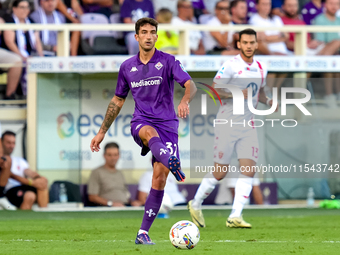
239, 56
152, 60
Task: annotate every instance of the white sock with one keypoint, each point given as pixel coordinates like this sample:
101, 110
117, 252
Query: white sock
141, 231
207, 186
243, 188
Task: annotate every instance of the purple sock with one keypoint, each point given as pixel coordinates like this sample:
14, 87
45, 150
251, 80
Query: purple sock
159, 151
152, 205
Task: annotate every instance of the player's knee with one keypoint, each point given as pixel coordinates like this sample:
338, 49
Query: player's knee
45, 181
159, 181
30, 197
151, 132
220, 176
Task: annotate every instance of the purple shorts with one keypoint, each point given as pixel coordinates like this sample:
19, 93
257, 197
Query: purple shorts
170, 139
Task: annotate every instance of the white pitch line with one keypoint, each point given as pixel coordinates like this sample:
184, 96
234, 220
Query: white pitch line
123, 241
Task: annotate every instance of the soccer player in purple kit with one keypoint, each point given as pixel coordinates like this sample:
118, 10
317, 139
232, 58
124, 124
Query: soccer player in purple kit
150, 76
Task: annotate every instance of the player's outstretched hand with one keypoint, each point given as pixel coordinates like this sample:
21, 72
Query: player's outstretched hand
183, 110
95, 143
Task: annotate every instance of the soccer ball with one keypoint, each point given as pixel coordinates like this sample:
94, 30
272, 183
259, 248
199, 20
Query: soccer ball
167, 204
184, 235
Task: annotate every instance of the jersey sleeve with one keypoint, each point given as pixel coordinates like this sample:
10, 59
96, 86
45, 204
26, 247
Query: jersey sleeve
122, 89
178, 72
224, 74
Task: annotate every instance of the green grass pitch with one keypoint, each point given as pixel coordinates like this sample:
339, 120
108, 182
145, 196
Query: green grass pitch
284, 231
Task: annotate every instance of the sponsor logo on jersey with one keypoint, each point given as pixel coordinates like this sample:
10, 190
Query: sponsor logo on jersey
159, 65
133, 69
251, 69
253, 87
152, 81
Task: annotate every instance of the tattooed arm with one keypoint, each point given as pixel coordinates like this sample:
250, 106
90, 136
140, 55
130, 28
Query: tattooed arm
111, 114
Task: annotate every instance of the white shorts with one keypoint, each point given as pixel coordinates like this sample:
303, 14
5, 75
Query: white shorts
242, 139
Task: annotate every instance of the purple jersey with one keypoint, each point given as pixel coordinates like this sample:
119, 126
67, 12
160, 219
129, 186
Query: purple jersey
309, 12
136, 10
198, 4
251, 8
152, 88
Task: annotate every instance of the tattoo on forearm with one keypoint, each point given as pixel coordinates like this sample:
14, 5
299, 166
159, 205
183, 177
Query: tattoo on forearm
111, 114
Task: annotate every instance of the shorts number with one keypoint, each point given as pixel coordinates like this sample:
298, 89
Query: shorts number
255, 152
170, 147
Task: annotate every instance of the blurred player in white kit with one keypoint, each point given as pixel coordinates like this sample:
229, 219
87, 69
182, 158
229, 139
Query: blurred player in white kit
242, 71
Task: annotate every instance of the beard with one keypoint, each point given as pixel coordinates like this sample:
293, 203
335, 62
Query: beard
147, 49
289, 15
248, 56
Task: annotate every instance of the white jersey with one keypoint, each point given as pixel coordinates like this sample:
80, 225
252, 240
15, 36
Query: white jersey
242, 75
19, 165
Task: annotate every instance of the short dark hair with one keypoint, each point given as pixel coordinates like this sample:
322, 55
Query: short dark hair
234, 3
143, 21
17, 2
7, 132
111, 145
247, 31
